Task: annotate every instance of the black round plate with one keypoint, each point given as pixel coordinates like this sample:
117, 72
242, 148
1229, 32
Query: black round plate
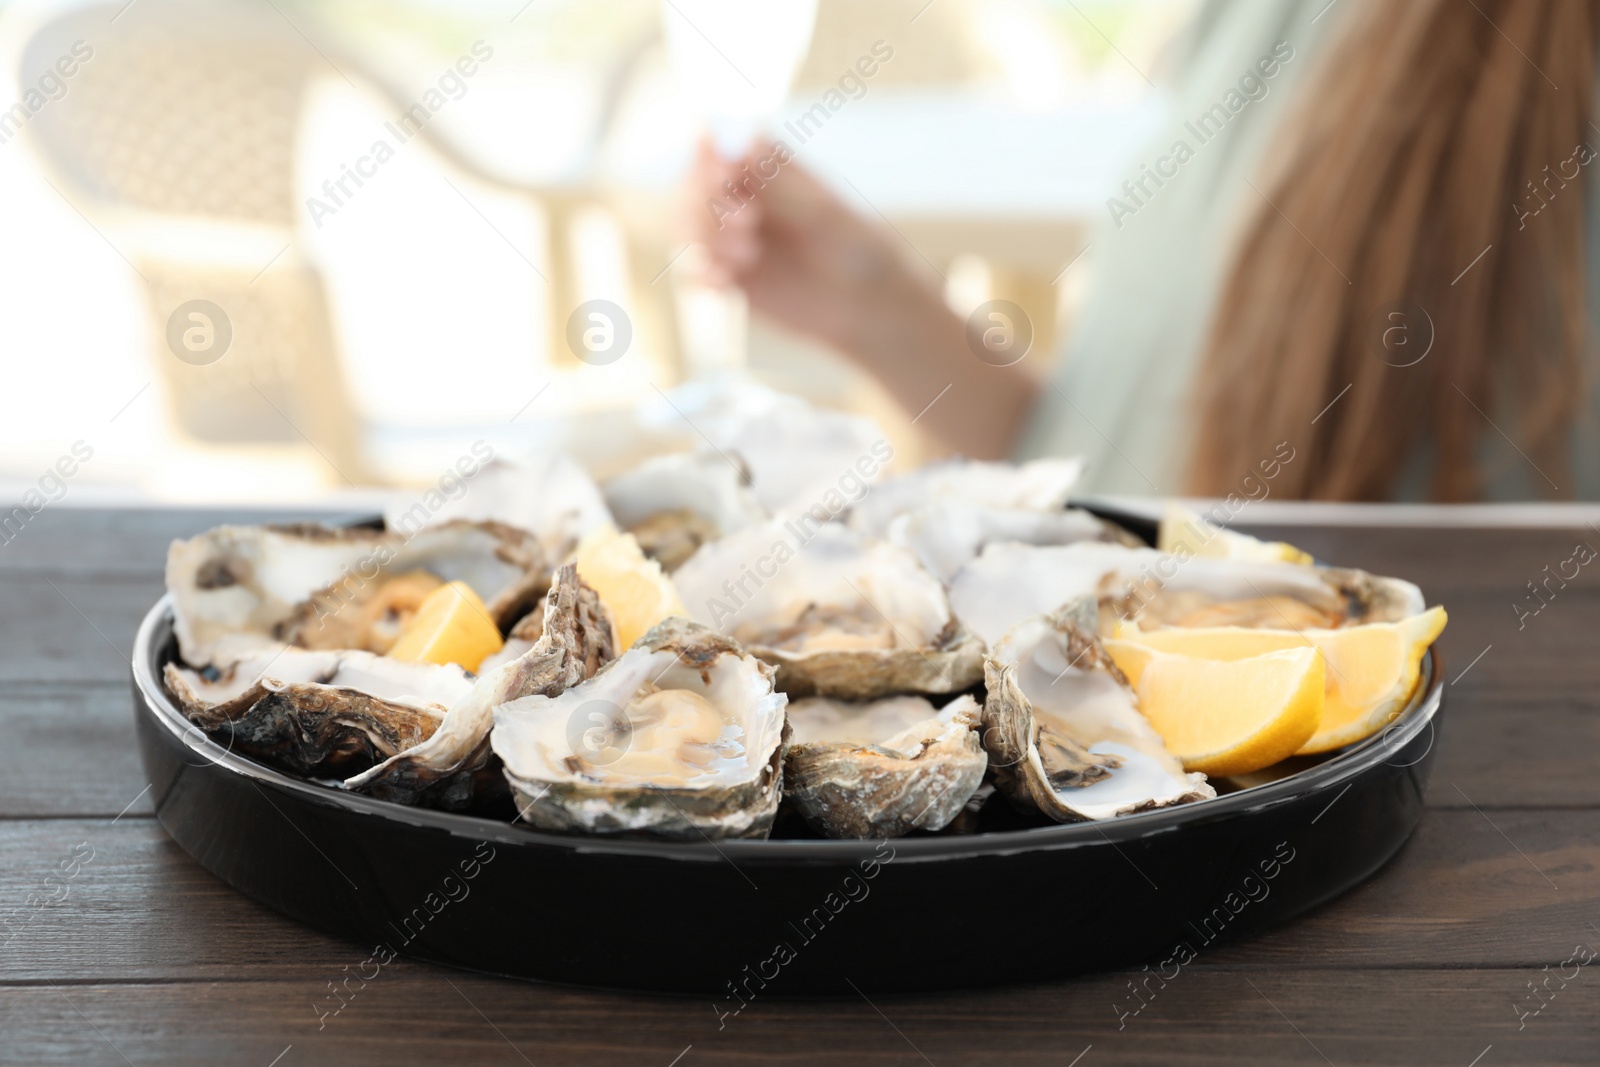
741, 919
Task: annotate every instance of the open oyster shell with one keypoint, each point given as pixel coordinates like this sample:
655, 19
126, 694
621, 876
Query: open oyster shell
450, 767
1063, 727
416, 733
1008, 583
239, 590
550, 496
1039, 485
885, 768
838, 614
318, 713
674, 504
802, 458
949, 534
680, 737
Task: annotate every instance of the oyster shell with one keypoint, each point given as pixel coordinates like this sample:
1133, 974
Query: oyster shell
550, 496
318, 713
838, 614
674, 504
680, 737
949, 534
416, 733
1008, 583
885, 768
1038, 485
1063, 728
801, 457
450, 767
523, 636
239, 590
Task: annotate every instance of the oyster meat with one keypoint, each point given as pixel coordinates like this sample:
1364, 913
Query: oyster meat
1008, 583
674, 504
680, 737
839, 614
884, 768
1063, 727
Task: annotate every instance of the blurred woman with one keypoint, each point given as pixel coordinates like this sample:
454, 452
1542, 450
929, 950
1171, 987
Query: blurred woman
1376, 257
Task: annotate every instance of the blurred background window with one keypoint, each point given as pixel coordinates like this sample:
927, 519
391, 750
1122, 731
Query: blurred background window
396, 208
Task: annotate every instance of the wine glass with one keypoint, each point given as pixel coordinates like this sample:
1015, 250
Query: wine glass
735, 60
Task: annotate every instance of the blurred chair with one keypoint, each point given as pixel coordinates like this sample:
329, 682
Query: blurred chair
178, 140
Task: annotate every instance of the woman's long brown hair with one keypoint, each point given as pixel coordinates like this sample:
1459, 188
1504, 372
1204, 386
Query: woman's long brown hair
1433, 130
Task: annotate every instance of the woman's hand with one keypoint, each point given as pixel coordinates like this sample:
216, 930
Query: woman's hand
803, 258
808, 262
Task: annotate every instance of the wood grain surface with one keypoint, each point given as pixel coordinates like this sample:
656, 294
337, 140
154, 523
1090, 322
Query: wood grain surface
143, 957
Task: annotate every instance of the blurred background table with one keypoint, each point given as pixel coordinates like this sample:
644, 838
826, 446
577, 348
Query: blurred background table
147, 958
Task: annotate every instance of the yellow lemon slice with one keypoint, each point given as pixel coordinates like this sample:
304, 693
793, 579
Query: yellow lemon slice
450, 626
1226, 717
1372, 670
1202, 537
631, 586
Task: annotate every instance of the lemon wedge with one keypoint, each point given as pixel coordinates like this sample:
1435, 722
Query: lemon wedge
631, 585
1225, 717
1202, 537
450, 626
1372, 670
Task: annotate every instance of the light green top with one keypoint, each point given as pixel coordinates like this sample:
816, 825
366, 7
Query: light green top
1120, 397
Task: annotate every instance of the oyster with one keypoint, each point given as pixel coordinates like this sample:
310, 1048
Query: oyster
680, 737
318, 713
885, 768
550, 496
1039, 485
1008, 583
949, 534
239, 590
450, 767
838, 614
410, 732
674, 504
1063, 727
802, 458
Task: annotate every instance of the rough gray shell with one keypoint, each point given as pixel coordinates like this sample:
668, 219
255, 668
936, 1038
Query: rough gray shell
952, 663
881, 790
290, 710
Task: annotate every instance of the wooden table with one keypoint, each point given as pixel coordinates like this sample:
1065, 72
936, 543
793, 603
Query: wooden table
135, 954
